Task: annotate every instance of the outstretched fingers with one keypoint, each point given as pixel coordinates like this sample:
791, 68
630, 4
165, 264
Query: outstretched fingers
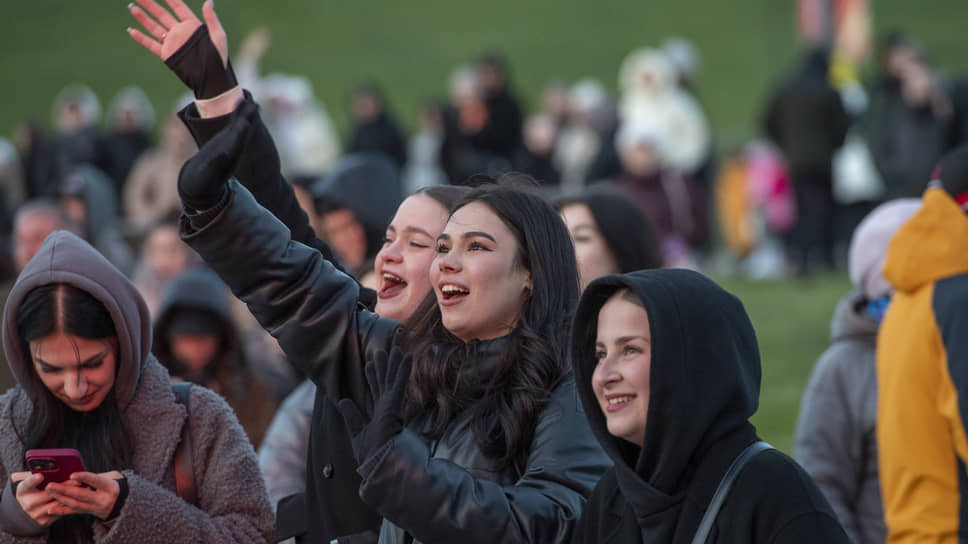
152, 26
182, 11
215, 31
163, 16
148, 43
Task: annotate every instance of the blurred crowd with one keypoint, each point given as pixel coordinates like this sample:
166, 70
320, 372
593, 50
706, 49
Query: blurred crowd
639, 173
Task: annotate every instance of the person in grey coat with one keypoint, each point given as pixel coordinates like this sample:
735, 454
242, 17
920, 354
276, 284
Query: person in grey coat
835, 438
77, 336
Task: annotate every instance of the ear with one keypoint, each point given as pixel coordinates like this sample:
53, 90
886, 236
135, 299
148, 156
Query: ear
528, 285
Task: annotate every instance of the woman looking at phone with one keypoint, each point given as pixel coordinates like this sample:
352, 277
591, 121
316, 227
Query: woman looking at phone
77, 336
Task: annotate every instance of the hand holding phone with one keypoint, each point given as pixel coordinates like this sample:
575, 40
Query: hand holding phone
56, 464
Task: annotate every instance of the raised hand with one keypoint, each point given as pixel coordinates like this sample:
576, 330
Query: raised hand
85, 493
35, 502
201, 182
197, 53
387, 377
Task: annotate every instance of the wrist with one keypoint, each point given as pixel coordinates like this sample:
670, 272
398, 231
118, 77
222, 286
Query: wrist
222, 104
119, 500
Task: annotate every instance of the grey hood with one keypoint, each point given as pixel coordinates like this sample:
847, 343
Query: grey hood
851, 320
65, 258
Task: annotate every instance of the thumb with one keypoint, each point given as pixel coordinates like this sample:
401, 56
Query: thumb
352, 416
215, 31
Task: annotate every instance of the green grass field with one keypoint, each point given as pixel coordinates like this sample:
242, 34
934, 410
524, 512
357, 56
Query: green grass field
792, 321
411, 47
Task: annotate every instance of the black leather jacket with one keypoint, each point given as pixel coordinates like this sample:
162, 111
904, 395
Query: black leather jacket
442, 491
330, 508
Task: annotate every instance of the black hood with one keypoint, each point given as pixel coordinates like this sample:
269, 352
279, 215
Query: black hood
368, 184
705, 381
197, 289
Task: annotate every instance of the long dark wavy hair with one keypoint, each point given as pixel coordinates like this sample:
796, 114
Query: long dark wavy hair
505, 401
100, 434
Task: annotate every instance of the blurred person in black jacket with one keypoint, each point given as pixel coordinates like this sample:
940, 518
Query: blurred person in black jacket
374, 128
806, 119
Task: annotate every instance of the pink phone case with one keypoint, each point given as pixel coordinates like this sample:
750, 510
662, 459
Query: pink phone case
56, 464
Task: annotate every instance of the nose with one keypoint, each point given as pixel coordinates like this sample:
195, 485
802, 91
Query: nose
390, 252
448, 262
75, 385
605, 374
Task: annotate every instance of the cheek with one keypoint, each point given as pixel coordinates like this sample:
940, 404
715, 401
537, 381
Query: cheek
597, 382
639, 377
434, 272
418, 277
52, 382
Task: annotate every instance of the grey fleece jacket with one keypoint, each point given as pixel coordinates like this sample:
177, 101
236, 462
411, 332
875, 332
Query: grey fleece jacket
232, 502
835, 440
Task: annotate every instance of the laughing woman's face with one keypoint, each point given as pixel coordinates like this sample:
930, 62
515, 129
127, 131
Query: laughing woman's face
479, 283
403, 263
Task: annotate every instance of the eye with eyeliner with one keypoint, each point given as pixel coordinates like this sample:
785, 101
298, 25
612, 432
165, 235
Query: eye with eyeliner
477, 246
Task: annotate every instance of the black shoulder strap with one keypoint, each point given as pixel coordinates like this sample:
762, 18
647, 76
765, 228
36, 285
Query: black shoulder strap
706, 524
184, 475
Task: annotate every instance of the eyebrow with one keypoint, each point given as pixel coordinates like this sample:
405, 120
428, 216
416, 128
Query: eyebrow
87, 361
585, 226
625, 340
471, 234
417, 230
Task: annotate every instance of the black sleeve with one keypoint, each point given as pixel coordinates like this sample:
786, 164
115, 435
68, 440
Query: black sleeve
260, 171
950, 303
308, 305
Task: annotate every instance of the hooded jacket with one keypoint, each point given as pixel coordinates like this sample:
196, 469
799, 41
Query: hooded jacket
835, 439
103, 228
231, 498
458, 495
704, 387
229, 374
922, 372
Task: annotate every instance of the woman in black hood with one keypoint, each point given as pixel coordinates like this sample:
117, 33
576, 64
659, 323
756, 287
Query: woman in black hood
668, 370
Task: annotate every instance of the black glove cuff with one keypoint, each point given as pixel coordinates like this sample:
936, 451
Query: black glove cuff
119, 502
198, 64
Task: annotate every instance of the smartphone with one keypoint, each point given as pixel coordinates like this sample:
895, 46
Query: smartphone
55, 464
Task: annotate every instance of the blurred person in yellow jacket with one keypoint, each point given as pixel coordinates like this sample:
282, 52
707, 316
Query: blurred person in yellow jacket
922, 366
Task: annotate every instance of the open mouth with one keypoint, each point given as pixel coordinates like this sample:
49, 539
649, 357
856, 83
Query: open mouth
452, 293
391, 286
617, 402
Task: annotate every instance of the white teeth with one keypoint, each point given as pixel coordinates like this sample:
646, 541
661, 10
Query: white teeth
448, 288
620, 400
392, 277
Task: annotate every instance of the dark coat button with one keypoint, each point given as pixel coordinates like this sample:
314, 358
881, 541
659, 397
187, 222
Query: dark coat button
328, 471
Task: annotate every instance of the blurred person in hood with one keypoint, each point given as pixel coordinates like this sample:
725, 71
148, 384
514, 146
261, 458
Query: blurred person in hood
197, 341
835, 438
